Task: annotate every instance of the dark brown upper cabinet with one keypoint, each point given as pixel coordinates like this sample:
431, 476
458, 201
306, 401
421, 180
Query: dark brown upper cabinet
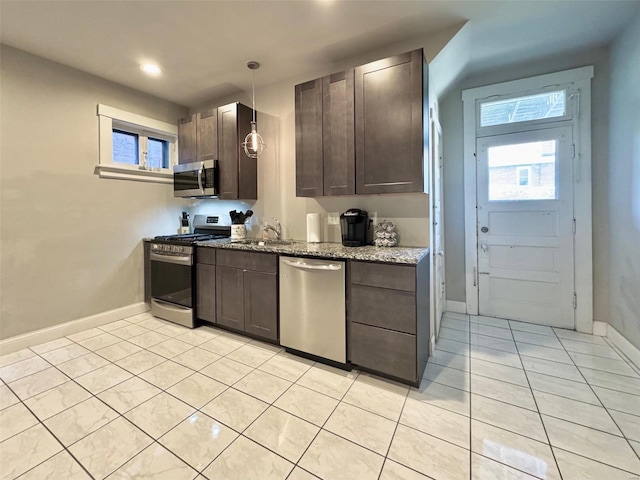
309, 139
391, 140
364, 131
325, 158
207, 135
187, 139
217, 134
337, 134
198, 137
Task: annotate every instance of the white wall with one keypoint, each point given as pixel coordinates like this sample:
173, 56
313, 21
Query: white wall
70, 241
624, 185
451, 120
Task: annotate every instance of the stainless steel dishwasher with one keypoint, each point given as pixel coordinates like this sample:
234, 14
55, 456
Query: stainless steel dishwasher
312, 307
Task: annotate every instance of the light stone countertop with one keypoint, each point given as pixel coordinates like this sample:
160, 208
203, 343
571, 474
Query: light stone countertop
401, 255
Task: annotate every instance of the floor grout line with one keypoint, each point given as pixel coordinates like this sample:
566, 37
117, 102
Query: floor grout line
40, 422
469, 373
610, 416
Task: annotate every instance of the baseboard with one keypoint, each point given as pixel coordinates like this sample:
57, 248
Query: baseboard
456, 307
43, 335
625, 346
600, 328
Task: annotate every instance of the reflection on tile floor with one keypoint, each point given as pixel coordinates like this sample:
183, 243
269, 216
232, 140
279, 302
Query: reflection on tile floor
142, 398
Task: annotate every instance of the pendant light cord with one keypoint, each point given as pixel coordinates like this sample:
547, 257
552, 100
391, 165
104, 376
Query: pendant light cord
253, 83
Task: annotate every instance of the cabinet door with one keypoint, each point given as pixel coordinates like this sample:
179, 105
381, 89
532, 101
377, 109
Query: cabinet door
187, 139
384, 351
383, 307
230, 297
207, 135
389, 125
338, 144
309, 173
261, 304
206, 292
228, 149
247, 167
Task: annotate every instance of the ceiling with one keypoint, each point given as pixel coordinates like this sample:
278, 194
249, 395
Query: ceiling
203, 46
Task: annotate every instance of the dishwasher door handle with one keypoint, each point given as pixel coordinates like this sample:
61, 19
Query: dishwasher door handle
310, 266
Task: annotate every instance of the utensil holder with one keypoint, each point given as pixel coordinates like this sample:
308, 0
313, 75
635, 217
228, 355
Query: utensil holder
238, 232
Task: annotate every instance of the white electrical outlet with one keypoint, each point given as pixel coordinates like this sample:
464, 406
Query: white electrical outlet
333, 218
373, 216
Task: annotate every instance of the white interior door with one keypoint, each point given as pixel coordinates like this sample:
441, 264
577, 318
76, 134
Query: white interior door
437, 242
525, 226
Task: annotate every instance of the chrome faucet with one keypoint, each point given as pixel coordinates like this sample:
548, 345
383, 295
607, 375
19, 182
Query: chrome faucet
277, 230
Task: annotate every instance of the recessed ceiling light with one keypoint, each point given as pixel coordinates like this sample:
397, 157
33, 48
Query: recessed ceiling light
151, 69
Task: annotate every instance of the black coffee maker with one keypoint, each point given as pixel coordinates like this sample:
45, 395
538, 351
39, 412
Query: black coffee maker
356, 227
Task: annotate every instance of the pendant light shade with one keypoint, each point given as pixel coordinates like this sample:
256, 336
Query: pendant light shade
253, 143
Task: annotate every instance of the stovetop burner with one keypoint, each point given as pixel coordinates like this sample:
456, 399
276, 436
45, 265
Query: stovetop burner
205, 228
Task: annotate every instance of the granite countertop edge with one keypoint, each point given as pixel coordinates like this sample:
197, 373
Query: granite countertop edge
401, 255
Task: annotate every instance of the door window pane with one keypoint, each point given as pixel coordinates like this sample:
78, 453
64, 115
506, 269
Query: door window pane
125, 147
523, 171
523, 109
157, 153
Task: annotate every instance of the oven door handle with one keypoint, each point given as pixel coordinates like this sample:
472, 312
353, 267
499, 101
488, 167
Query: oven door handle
176, 259
200, 172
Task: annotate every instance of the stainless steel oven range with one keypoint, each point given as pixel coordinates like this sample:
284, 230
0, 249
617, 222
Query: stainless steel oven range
173, 285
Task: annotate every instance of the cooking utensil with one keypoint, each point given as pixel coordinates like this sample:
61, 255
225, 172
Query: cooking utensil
238, 218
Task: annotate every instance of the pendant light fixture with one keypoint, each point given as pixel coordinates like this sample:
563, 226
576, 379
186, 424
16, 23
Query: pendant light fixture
253, 143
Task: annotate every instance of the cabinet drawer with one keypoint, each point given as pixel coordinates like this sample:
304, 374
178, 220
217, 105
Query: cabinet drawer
259, 262
393, 309
398, 277
206, 255
384, 351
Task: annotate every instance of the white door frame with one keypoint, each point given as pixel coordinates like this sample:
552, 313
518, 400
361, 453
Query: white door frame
579, 80
435, 281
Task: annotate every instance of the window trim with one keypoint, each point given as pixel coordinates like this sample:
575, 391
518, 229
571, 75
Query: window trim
491, 130
110, 118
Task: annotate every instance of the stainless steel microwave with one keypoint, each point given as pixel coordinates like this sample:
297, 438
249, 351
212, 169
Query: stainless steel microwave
198, 179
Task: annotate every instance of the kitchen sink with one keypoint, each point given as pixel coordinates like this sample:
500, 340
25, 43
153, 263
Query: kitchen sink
260, 242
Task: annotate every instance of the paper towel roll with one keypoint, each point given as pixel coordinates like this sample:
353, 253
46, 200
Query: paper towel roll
314, 228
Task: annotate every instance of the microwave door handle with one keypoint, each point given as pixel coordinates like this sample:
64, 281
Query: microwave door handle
200, 172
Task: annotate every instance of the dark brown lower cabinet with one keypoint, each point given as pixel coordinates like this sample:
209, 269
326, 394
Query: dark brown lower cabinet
385, 351
261, 304
206, 292
206, 284
247, 296
230, 297
388, 315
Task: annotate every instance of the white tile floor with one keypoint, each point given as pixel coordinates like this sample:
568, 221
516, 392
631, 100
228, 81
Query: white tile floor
141, 398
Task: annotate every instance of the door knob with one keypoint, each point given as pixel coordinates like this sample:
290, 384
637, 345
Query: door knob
484, 229
484, 247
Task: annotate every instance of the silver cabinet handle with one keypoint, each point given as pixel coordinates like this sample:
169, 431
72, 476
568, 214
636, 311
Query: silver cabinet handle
308, 266
176, 259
